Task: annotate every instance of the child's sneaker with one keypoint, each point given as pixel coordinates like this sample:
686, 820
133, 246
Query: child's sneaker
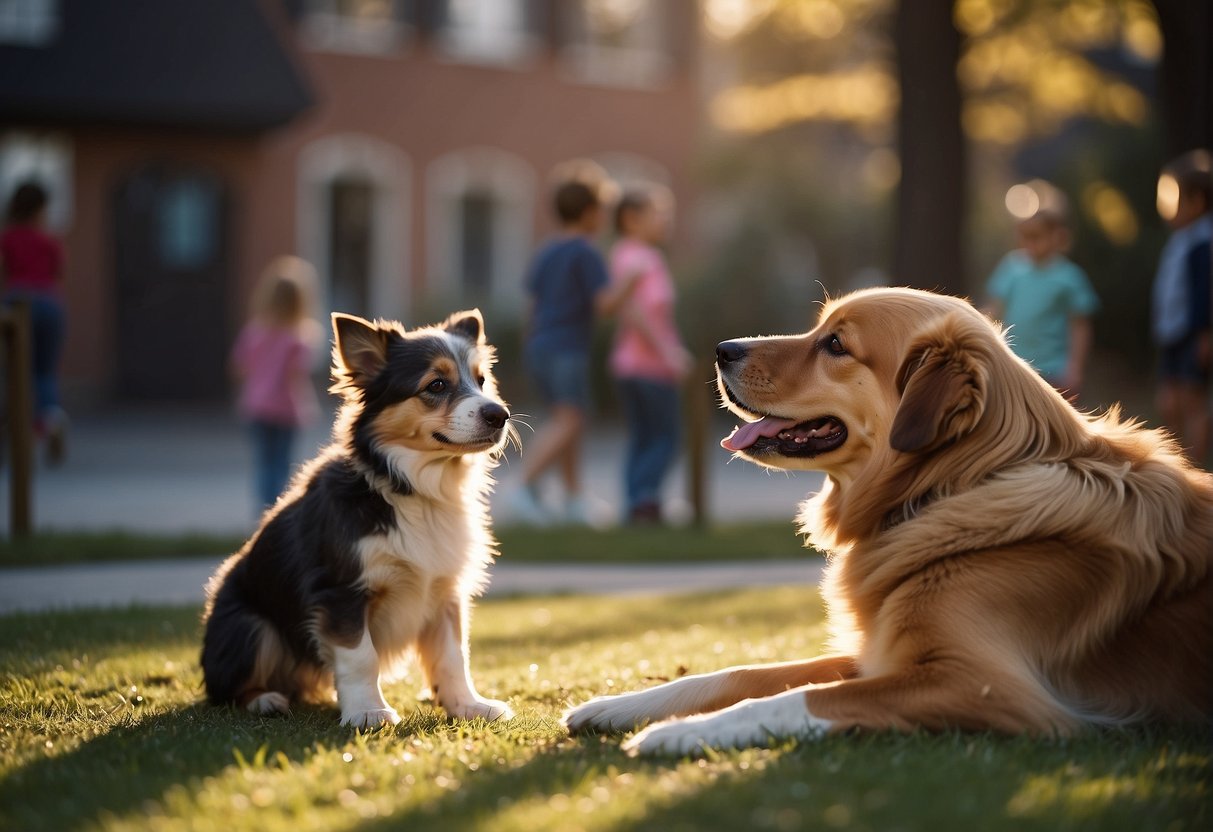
55, 430
527, 509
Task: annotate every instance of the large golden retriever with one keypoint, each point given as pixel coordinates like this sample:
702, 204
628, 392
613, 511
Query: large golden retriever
997, 560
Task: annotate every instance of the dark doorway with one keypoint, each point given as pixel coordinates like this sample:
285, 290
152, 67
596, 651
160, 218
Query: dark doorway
351, 245
171, 264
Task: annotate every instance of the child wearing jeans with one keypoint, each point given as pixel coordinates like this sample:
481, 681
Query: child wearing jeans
568, 286
648, 358
31, 265
272, 359
1183, 307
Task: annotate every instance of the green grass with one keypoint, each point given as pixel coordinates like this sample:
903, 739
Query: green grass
750, 541
100, 728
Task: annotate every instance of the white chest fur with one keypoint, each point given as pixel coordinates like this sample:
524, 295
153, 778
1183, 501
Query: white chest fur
436, 551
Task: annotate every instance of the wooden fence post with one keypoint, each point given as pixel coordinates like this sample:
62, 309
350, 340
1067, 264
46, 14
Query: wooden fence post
16, 326
698, 415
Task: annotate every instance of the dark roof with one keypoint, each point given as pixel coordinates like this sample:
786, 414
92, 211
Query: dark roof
215, 64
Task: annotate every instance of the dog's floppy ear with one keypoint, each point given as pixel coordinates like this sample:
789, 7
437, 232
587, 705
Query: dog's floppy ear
469, 324
361, 348
942, 383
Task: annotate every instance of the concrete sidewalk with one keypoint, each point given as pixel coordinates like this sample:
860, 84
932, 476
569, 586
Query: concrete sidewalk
169, 471
181, 581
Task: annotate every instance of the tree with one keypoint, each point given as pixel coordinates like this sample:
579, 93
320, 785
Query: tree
1186, 77
930, 198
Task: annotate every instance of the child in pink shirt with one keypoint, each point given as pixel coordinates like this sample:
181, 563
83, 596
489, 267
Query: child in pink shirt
648, 359
272, 359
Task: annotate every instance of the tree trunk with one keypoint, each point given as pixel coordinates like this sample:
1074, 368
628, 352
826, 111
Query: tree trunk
1186, 75
930, 199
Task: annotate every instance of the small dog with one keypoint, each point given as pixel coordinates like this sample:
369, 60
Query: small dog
380, 543
998, 560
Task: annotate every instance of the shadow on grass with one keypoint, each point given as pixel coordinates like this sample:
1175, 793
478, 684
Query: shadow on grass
1134, 780
128, 766
24, 636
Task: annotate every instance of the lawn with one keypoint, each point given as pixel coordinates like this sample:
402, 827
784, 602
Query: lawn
100, 728
748, 541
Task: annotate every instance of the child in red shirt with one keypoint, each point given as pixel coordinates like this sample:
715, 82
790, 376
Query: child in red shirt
32, 263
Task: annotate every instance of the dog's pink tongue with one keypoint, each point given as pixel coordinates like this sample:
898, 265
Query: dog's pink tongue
746, 435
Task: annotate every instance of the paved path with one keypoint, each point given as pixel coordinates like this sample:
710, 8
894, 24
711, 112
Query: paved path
168, 471
181, 581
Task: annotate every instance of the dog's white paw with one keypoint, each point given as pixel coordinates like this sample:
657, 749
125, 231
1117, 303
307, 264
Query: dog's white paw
270, 703
608, 713
489, 709
372, 718
676, 737
754, 722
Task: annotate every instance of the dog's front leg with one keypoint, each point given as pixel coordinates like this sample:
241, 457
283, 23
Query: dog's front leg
356, 673
443, 651
749, 723
705, 692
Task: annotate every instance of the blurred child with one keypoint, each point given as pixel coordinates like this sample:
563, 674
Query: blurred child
1044, 298
1181, 313
568, 286
273, 358
32, 261
648, 358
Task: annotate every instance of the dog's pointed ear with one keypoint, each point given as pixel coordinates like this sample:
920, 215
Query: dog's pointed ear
360, 348
469, 324
942, 382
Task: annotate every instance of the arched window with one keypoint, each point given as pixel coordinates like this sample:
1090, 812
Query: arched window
480, 210
353, 223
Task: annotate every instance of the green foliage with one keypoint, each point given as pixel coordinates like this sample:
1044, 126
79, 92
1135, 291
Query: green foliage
101, 728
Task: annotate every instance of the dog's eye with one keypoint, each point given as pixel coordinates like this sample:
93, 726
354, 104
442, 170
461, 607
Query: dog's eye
436, 386
480, 380
834, 345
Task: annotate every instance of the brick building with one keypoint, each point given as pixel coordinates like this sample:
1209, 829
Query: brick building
402, 146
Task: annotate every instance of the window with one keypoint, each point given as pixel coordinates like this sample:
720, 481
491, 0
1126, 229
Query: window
617, 42
360, 26
46, 159
480, 210
187, 224
476, 208
488, 31
28, 22
351, 203
353, 223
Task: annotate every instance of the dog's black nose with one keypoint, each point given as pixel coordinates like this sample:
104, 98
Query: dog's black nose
729, 351
494, 415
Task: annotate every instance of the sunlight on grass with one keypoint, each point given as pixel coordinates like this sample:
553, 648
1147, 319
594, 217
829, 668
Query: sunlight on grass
1071, 792
101, 728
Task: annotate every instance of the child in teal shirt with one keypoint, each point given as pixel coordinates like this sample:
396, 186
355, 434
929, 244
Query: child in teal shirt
1045, 299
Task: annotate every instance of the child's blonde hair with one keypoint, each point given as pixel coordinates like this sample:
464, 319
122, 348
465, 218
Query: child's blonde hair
285, 293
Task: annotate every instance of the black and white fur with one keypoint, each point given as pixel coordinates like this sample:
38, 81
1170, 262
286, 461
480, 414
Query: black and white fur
375, 551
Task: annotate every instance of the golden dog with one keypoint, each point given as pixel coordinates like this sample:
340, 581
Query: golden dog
997, 560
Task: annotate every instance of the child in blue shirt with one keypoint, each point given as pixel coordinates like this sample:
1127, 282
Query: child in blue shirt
1182, 304
1044, 298
568, 285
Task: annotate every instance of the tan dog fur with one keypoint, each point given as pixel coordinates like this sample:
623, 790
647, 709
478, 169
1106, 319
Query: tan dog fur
997, 560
